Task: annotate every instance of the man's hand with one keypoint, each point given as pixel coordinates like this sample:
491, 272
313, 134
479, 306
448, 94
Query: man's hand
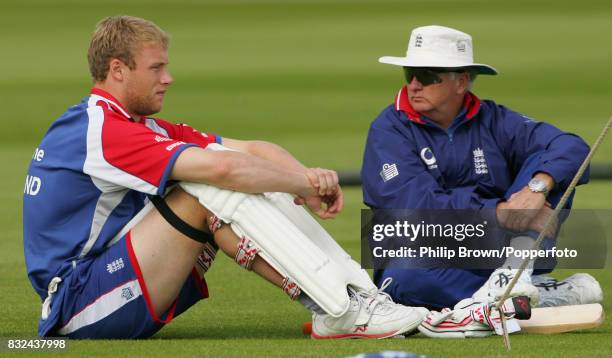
522, 207
326, 207
538, 223
329, 200
324, 180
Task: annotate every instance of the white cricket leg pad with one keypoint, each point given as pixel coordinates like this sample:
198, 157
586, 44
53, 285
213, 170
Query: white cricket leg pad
360, 279
284, 246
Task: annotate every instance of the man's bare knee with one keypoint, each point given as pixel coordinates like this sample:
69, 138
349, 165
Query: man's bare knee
166, 255
188, 209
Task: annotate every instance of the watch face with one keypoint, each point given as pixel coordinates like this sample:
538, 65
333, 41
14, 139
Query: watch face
537, 185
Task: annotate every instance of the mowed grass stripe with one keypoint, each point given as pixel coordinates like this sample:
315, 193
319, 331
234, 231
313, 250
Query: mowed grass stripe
303, 74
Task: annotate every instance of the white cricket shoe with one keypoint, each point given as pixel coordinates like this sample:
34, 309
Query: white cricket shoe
496, 285
471, 319
370, 315
578, 289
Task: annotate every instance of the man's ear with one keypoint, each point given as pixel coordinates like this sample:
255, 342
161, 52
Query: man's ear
463, 82
117, 70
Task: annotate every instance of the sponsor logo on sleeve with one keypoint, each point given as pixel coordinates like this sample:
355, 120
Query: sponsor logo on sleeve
389, 171
174, 145
428, 158
160, 139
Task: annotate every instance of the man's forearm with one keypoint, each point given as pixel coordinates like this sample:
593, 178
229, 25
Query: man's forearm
274, 153
239, 171
255, 174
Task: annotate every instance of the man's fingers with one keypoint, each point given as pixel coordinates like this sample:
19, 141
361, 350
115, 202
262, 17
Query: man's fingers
523, 222
339, 202
329, 183
314, 203
512, 220
313, 178
518, 220
546, 214
324, 180
335, 203
539, 222
335, 182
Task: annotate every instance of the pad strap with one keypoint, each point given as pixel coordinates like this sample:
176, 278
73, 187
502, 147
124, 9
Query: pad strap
247, 251
291, 288
214, 223
180, 225
206, 257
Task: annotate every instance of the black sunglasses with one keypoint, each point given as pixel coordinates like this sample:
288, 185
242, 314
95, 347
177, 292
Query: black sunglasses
426, 76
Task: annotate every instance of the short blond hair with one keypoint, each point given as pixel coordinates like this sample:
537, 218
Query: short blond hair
120, 37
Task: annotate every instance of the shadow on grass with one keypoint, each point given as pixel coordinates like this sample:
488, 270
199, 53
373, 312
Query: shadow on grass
230, 331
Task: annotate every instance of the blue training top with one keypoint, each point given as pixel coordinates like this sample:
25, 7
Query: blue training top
410, 162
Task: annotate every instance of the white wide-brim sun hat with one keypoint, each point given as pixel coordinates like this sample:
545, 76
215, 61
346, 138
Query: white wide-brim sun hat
439, 46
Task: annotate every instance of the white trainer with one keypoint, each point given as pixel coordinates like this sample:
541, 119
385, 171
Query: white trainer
578, 289
370, 315
496, 285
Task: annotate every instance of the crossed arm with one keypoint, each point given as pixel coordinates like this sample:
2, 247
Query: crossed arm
526, 210
391, 142
258, 166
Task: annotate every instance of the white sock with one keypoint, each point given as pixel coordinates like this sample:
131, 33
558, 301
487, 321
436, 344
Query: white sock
310, 304
519, 243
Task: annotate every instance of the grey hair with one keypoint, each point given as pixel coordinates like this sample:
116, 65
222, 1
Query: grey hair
472, 77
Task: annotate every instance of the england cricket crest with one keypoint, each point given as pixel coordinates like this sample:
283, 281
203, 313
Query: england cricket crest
480, 163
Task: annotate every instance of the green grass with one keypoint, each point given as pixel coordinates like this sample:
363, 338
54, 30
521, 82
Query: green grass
302, 74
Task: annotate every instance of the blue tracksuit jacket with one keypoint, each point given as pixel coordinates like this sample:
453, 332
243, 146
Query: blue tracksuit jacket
410, 162
487, 153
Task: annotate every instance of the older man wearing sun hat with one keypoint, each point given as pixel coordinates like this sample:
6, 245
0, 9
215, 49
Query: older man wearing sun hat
438, 146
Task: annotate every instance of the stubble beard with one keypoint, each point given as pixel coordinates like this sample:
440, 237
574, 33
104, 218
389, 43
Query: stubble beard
142, 105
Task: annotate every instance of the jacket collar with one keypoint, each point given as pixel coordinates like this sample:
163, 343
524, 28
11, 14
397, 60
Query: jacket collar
471, 103
110, 101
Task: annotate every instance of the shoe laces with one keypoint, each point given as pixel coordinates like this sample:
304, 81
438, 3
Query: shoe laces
373, 301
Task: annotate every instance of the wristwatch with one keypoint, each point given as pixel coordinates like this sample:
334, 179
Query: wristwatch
538, 186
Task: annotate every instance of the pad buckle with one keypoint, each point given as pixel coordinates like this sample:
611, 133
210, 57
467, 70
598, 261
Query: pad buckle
291, 288
246, 253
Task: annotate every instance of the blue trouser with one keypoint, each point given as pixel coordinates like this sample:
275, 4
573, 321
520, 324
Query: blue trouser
444, 287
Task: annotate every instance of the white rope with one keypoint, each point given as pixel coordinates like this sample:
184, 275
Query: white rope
549, 222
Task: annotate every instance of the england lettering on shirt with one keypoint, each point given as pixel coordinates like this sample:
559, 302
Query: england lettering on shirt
34, 183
